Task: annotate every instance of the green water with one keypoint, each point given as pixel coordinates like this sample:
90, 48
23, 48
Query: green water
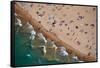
25, 55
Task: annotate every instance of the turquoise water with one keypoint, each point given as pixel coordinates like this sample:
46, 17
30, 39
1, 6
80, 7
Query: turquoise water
26, 55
